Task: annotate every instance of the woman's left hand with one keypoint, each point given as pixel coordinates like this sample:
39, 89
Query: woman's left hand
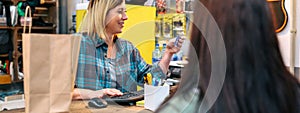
172, 48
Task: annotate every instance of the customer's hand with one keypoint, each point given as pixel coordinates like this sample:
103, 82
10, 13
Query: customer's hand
172, 48
112, 92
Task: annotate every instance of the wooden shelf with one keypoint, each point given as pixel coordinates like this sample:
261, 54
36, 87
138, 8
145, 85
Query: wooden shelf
46, 2
273, 0
50, 2
40, 15
33, 27
41, 8
3, 55
17, 54
49, 7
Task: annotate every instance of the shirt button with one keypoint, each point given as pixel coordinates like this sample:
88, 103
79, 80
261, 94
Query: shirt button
105, 55
107, 71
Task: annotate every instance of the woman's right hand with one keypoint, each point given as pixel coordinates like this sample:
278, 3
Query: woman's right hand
112, 92
89, 94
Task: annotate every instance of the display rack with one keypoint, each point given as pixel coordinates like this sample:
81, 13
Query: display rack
47, 12
16, 39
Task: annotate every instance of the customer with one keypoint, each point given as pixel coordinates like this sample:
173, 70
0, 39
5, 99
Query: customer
108, 64
256, 79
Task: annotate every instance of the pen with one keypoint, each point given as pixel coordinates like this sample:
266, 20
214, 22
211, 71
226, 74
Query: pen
149, 79
155, 81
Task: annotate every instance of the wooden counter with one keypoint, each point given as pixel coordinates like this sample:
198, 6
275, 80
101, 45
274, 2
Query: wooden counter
81, 107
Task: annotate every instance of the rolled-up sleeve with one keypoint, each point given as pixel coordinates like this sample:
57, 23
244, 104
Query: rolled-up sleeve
143, 68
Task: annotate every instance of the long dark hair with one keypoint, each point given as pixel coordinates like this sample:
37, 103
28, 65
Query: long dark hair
256, 80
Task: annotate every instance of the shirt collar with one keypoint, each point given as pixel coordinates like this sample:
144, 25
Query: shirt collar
120, 48
99, 41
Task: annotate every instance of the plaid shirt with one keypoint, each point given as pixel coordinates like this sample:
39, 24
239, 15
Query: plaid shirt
96, 71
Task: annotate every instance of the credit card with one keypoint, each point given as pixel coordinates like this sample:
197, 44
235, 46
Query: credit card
176, 41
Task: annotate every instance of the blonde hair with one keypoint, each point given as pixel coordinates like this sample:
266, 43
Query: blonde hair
94, 20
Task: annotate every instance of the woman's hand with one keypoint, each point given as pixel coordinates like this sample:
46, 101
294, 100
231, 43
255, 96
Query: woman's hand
112, 92
173, 48
170, 50
86, 94
89, 94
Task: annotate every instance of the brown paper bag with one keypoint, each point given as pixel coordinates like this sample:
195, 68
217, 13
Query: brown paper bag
50, 65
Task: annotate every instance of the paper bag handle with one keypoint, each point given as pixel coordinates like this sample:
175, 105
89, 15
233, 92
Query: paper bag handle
25, 19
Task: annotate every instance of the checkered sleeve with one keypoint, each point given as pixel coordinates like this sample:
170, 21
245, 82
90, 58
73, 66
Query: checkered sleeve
143, 68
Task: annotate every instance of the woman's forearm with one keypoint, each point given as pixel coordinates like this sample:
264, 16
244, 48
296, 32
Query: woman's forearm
165, 61
85, 94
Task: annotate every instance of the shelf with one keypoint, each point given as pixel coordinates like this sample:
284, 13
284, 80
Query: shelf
33, 27
41, 8
40, 15
17, 54
3, 55
273, 0
47, 11
43, 28
49, 2
46, 2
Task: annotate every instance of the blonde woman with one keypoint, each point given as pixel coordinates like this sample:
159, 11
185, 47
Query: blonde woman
108, 64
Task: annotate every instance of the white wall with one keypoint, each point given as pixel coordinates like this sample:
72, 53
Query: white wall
284, 36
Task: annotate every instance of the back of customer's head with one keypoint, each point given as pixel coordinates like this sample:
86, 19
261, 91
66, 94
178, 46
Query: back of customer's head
256, 79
